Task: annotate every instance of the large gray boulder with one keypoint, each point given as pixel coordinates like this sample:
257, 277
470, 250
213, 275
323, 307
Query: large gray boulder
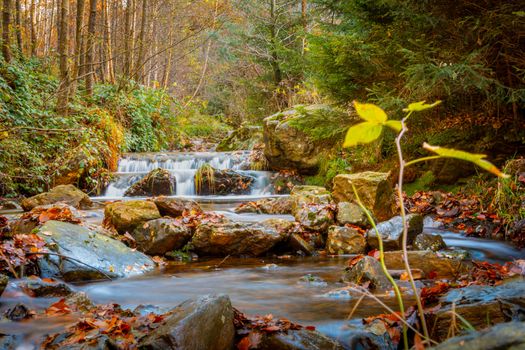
128, 215
311, 207
205, 323
87, 255
374, 190
351, 213
67, 194
289, 147
159, 236
239, 238
391, 232
345, 240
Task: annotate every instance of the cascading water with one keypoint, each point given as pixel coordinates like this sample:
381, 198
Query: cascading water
183, 166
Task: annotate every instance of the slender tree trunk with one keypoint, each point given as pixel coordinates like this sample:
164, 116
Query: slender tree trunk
6, 26
32, 28
79, 23
90, 47
110, 70
128, 40
142, 36
63, 89
18, 28
305, 24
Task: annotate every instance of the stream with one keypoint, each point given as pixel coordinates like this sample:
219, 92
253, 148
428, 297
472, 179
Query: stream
255, 285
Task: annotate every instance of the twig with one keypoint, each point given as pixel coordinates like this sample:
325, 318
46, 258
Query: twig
11, 268
38, 129
74, 260
222, 261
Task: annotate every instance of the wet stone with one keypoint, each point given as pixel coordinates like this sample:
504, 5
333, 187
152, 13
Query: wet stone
368, 269
345, 240
37, 287
427, 241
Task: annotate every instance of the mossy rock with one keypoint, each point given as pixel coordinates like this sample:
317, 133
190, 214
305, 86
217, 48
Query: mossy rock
67, 194
244, 138
158, 182
126, 216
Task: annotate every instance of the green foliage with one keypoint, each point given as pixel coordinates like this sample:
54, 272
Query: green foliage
194, 122
423, 183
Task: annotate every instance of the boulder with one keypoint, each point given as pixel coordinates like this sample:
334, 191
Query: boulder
351, 213
299, 244
304, 195
368, 269
374, 190
391, 232
44, 288
316, 217
427, 241
480, 306
288, 146
239, 238
4, 280
427, 262
38, 215
159, 236
174, 207
9, 205
244, 138
90, 255
156, 183
205, 323
302, 339
67, 194
504, 336
273, 206
128, 215
210, 181
515, 166
345, 240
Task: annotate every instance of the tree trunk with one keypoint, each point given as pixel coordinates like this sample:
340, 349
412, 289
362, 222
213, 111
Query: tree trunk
128, 40
142, 36
32, 28
18, 28
305, 25
6, 26
63, 88
78, 46
108, 52
90, 47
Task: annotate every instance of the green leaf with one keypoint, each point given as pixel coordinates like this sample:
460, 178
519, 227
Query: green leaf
370, 112
469, 157
420, 106
394, 124
365, 132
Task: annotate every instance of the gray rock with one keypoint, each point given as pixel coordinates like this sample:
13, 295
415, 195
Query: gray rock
103, 255
391, 232
427, 241
38, 288
159, 236
311, 207
345, 240
299, 244
428, 262
302, 339
368, 269
157, 182
351, 213
210, 181
305, 195
274, 206
10, 205
505, 336
174, 207
239, 238
67, 194
128, 215
205, 323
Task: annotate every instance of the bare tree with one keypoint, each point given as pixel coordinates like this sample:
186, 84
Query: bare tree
63, 41
6, 26
90, 47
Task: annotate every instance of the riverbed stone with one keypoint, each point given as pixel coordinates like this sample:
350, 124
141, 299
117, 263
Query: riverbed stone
160, 236
345, 240
301, 339
44, 288
288, 147
299, 244
315, 217
239, 238
96, 256
391, 232
273, 206
128, 215
374, 189
175, 207
428, 262
305, 195
67, 194
9, 205
212, 181
4, 280
368, 269
427, 241
351, 213
157, 182
204, 323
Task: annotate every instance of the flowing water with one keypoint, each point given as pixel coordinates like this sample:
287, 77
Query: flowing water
255, 285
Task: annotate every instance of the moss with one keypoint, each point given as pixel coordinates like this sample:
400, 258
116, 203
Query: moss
423, 183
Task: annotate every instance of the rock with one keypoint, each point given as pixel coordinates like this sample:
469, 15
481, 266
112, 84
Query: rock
316, 217
174, 207
157, 182
38, 288
96, 255
159, 236
515, 166
9, 205
273, 206
391, 232
67, 194
31, 220
288, 147
427, 241
11, 341
18, 313
345, 240
239, 238
372, 336
427, 261
302, 339
479, 305
4, 280
374, 190
210, 181
304, 195
284, 182
205, 323
243, 138
128, 215
299, 244
368, 269
505, 336
351, 213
